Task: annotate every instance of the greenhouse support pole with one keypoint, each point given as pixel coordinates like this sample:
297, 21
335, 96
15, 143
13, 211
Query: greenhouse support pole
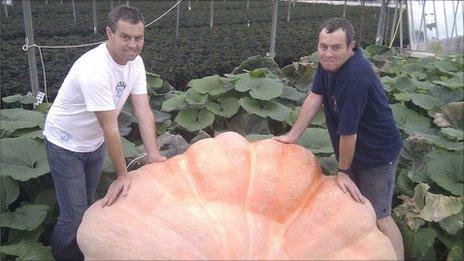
446, 20
74, 11
381, 24
211, 14
426, 38
289, 10
401, 27
31, 50
189, 5
94, 9
344, 9
395, 17
435, 15
248, 4
127, 2
454, 19
6, 9
294, 3
177, 21
274, 29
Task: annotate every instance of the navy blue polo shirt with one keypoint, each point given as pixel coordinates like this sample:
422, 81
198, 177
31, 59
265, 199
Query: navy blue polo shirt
355, 102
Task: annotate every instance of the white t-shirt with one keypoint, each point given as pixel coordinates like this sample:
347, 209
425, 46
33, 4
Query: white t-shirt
94, 83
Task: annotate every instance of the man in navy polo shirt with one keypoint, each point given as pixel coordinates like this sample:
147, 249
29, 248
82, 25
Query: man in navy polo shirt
364, 136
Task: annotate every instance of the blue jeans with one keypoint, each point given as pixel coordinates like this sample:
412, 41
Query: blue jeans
75, 176
377, 185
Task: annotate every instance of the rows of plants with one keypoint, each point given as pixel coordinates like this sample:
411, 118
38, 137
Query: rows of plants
238, 33
259, 99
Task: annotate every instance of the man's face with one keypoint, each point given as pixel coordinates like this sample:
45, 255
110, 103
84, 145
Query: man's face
126, 42
332, 49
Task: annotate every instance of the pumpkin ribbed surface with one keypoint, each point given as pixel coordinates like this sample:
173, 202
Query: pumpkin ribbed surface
226, 198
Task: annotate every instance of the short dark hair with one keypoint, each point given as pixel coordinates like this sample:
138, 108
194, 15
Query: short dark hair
336, 23
126, 13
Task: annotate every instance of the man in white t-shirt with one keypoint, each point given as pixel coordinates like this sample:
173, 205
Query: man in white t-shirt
83, 121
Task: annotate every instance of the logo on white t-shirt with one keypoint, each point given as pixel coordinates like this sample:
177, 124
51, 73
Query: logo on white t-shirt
120, 89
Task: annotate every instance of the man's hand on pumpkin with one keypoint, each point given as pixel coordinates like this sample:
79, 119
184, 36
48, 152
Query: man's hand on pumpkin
287, 138
152, 158
119, 186
346, 184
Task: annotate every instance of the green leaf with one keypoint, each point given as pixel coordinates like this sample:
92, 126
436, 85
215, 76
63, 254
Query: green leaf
154, 81
28, 251
405, 85
293, 94
453, 134
176, 102
446, 95
130, 151
456, 253
402, 97
28, 217
24, 99
265, 88
445, 169
438, 207
317, 140
404, 183
171, 145
387, 83
271, 109
415, 150
9, 191
227, 107
193, 120
245, 124
208, 85
418, 243
256, 137
23, 158
453, 115
445, 66
13, 119
329, 165
195, 99
15, 236
425, 101
453, 224
407, 118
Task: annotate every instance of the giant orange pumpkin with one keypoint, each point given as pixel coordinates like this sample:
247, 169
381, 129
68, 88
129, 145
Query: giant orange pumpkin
226, 198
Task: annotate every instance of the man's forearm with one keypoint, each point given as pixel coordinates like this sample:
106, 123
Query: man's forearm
308, 111
347, 147
147, 129
115, 151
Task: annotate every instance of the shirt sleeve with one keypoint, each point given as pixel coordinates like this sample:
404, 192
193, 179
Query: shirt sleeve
96, 91
317, 82
141, 83
352, 108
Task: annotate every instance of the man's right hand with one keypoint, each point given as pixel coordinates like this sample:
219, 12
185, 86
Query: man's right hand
119, 186
287, 138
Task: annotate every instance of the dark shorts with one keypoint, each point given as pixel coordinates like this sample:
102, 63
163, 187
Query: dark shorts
377, 185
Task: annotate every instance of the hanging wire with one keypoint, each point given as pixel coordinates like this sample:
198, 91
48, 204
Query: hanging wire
397, 26
26, 47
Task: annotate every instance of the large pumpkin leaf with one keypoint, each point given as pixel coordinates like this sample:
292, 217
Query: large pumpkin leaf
453, 224
171, 145
455, 253
25, 250
446, 95
329, 165
24, 99
208, 85
28, 217
293, 94
404, 183
154, 81
15, 236
130, 151
271, 109
13, 119
193, 120
407, 118
405, 85
245, 124
195, 99
445, 169
262, 88
453, 83
445, 66
414, 151
453, 134
9, 192
425, 101
317, 140
226, 108
419, 243
23, 158
438, 207
252, 106
453, 115
176, 102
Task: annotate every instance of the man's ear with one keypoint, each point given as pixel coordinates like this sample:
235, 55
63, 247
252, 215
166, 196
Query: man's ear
352, 45
109, 32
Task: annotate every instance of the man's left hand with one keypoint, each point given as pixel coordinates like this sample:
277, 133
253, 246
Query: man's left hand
120, 185
155, 158
346, 184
